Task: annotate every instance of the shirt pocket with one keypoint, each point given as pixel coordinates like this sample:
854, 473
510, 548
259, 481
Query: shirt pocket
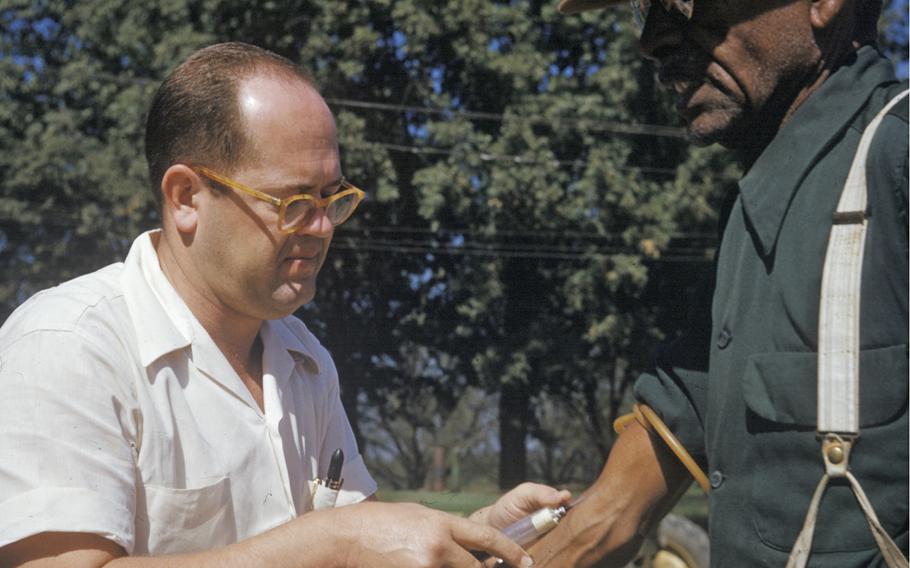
784, 454
186, 520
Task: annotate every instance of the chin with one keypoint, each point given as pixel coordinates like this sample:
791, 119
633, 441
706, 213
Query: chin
291, 298
704, 135
717, 127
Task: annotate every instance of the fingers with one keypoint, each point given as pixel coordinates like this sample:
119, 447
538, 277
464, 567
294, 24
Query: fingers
534, 495
473, 536
524, 500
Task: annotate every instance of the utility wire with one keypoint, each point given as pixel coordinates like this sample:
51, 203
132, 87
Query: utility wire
472, 245
520, 160
582, 248
615, 243
539, 251
603, 125
515, 248
608, 126
71, 219
349, 245
507, 232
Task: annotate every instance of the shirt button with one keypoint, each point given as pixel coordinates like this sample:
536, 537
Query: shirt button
724, 338
717, 479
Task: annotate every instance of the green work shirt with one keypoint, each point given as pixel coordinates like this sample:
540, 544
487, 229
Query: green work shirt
740, 389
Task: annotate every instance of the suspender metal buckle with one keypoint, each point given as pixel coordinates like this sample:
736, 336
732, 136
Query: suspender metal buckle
836, 453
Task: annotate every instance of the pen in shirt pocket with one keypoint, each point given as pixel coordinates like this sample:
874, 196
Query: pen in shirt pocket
326, 490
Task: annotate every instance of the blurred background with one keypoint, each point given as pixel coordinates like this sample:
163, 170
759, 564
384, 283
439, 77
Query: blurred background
536, 221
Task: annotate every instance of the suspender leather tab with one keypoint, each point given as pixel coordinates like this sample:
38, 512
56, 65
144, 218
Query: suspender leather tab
849, 217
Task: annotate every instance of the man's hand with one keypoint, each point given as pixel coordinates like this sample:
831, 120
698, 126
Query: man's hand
378, 535
519, 503
639, 483
395, 535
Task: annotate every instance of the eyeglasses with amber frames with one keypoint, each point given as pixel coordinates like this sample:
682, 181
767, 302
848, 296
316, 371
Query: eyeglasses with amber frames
640, 9
298, 210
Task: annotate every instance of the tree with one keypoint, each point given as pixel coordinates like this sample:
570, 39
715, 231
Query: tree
534, 216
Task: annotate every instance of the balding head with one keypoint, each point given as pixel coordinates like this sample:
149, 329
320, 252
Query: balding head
195, 116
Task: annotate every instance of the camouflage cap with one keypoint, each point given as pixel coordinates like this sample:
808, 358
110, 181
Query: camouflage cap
640, 7
575, 6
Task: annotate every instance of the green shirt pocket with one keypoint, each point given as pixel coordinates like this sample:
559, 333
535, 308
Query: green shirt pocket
782, 387
779, 390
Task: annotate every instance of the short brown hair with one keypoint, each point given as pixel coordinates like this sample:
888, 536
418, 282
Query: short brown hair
195, 116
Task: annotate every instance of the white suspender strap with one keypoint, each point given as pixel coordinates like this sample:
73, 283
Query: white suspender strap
838, 351
838, 325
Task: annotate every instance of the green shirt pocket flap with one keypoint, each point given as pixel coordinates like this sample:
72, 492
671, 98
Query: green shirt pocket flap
782, 387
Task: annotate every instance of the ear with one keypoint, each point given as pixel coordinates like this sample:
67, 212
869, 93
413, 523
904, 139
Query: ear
823, 13
180, 187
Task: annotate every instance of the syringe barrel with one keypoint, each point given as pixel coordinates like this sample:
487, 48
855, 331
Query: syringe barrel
528, 529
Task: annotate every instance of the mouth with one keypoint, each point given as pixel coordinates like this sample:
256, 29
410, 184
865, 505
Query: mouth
680, 72
687, 80
303, 262
681, 86
684, 87
310, 255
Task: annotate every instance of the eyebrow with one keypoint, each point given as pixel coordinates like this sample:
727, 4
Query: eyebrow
294, 189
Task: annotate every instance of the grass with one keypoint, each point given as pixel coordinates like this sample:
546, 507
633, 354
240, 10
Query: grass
694, 504
459, 503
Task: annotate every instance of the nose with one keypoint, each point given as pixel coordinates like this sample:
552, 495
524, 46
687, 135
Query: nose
663, 30
318, 224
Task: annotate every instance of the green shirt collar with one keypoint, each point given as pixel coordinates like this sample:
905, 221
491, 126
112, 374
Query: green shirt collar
768, 186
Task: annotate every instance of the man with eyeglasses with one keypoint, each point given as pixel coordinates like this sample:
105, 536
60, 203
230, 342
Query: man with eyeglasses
168, 410
787, 398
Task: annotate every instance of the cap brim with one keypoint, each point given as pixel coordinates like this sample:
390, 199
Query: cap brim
575, 6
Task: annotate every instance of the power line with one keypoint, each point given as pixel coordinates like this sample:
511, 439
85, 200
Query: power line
615, 127
477, 246
494, 251
533, 251
526, 233
608, 126
520, 160
519, 247
502, 254
71, 219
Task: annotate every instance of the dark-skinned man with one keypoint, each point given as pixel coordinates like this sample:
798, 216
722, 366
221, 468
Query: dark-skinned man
805, 464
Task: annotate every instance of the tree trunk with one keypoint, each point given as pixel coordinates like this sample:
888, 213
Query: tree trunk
350, 391
439, 469
513, 431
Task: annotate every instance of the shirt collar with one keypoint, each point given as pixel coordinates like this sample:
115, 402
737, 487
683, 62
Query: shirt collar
164, 323
153, 304
280, 340
769, 185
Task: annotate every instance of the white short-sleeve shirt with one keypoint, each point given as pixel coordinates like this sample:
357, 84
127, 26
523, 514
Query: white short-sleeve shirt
120, 417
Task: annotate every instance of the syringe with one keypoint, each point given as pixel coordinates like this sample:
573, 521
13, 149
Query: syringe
525, 531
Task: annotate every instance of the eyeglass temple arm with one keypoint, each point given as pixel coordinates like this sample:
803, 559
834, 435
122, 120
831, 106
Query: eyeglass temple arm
238, 186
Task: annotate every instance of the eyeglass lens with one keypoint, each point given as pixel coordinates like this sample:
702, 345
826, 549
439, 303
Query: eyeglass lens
641, 8
301, 212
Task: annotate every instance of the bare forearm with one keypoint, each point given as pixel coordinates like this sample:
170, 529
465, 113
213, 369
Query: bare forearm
635, 488
315, 539
379, 535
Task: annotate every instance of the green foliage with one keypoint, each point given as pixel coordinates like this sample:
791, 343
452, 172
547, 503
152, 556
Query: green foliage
460, 503
525, 229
